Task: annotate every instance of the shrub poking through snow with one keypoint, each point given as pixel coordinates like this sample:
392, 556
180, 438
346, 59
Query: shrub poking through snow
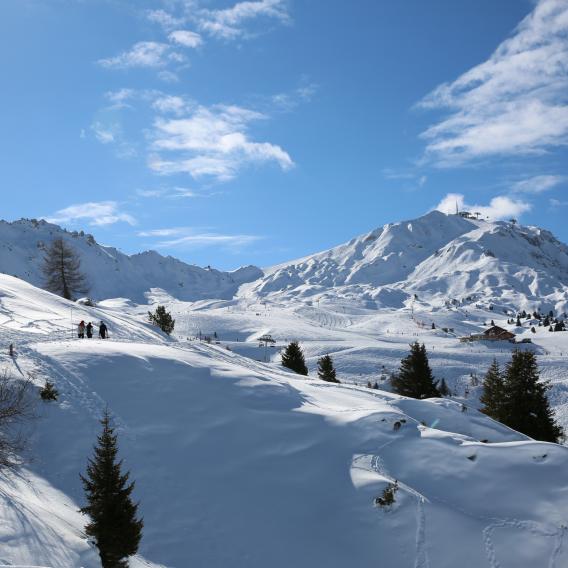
162, 319
48, 392
114, 522
293, 358
387, 497
16, 408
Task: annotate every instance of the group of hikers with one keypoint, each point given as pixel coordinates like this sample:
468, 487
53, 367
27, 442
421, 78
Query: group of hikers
88, 329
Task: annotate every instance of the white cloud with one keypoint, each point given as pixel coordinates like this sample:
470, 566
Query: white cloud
168, 76
119, 98
95, 213
500, 207
142, 54
212, 142
169, 104
189, 238
229, 23
514, 103
185, 38
538, 184
165, 19
104, 134
290, 100
555, 203
168, 193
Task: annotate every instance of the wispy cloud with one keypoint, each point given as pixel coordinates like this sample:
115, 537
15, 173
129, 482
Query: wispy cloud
212, 142
165, 19
141, 54
514, 103
95, 213
230, 23
227, 24
169, 193
185, 38
538, 184
170, 104
104, 134
500, 207
191, 238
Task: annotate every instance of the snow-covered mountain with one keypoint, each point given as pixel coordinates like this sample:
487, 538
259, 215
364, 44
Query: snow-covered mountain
111, 273
434, 258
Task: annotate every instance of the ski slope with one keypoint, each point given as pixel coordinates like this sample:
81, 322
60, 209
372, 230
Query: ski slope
241, 463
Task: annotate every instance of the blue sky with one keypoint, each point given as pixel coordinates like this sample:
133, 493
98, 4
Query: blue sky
229, 133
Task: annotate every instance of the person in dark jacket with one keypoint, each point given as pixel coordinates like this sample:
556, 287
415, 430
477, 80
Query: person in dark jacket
103, 332
89, 329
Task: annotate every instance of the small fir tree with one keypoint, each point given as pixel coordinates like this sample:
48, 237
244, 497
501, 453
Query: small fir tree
415, 377
163, 319
62, 270
114, 524
326, 370
48, 392
293, 358
443, 388
493, 395
526, 408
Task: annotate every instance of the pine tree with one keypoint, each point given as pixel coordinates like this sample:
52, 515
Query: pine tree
443, 388
162, 319
493, 396
415, 377
113, 515
326, 370
526, 408
48, 392
62, 271
293, 358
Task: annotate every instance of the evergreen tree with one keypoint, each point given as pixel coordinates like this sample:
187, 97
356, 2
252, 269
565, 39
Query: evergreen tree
114, 524
326, 370
415, 378
162, 319
443, 388
293, 358
519, 324
526, 407
62, 271
493, 396
48, 392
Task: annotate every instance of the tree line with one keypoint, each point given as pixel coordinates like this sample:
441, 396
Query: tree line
514, 395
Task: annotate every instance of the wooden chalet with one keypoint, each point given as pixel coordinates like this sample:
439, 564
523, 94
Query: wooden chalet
494, 333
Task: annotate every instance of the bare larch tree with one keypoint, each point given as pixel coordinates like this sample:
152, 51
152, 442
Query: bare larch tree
62, 270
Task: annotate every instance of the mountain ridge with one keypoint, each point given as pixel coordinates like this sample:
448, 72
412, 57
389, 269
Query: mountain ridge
435, 259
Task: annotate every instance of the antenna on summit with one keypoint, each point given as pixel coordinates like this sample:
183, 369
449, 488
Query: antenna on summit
457, 210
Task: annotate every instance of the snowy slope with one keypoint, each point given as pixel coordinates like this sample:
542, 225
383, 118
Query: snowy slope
109, 272
239, 463
438, 257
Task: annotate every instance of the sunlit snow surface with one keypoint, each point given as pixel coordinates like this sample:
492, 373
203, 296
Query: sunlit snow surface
239, 463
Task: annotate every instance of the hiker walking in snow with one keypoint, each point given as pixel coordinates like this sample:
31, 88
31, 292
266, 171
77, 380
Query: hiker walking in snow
89, 330
81, 330
103, 330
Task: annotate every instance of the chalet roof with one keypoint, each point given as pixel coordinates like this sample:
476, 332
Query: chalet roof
496, 331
